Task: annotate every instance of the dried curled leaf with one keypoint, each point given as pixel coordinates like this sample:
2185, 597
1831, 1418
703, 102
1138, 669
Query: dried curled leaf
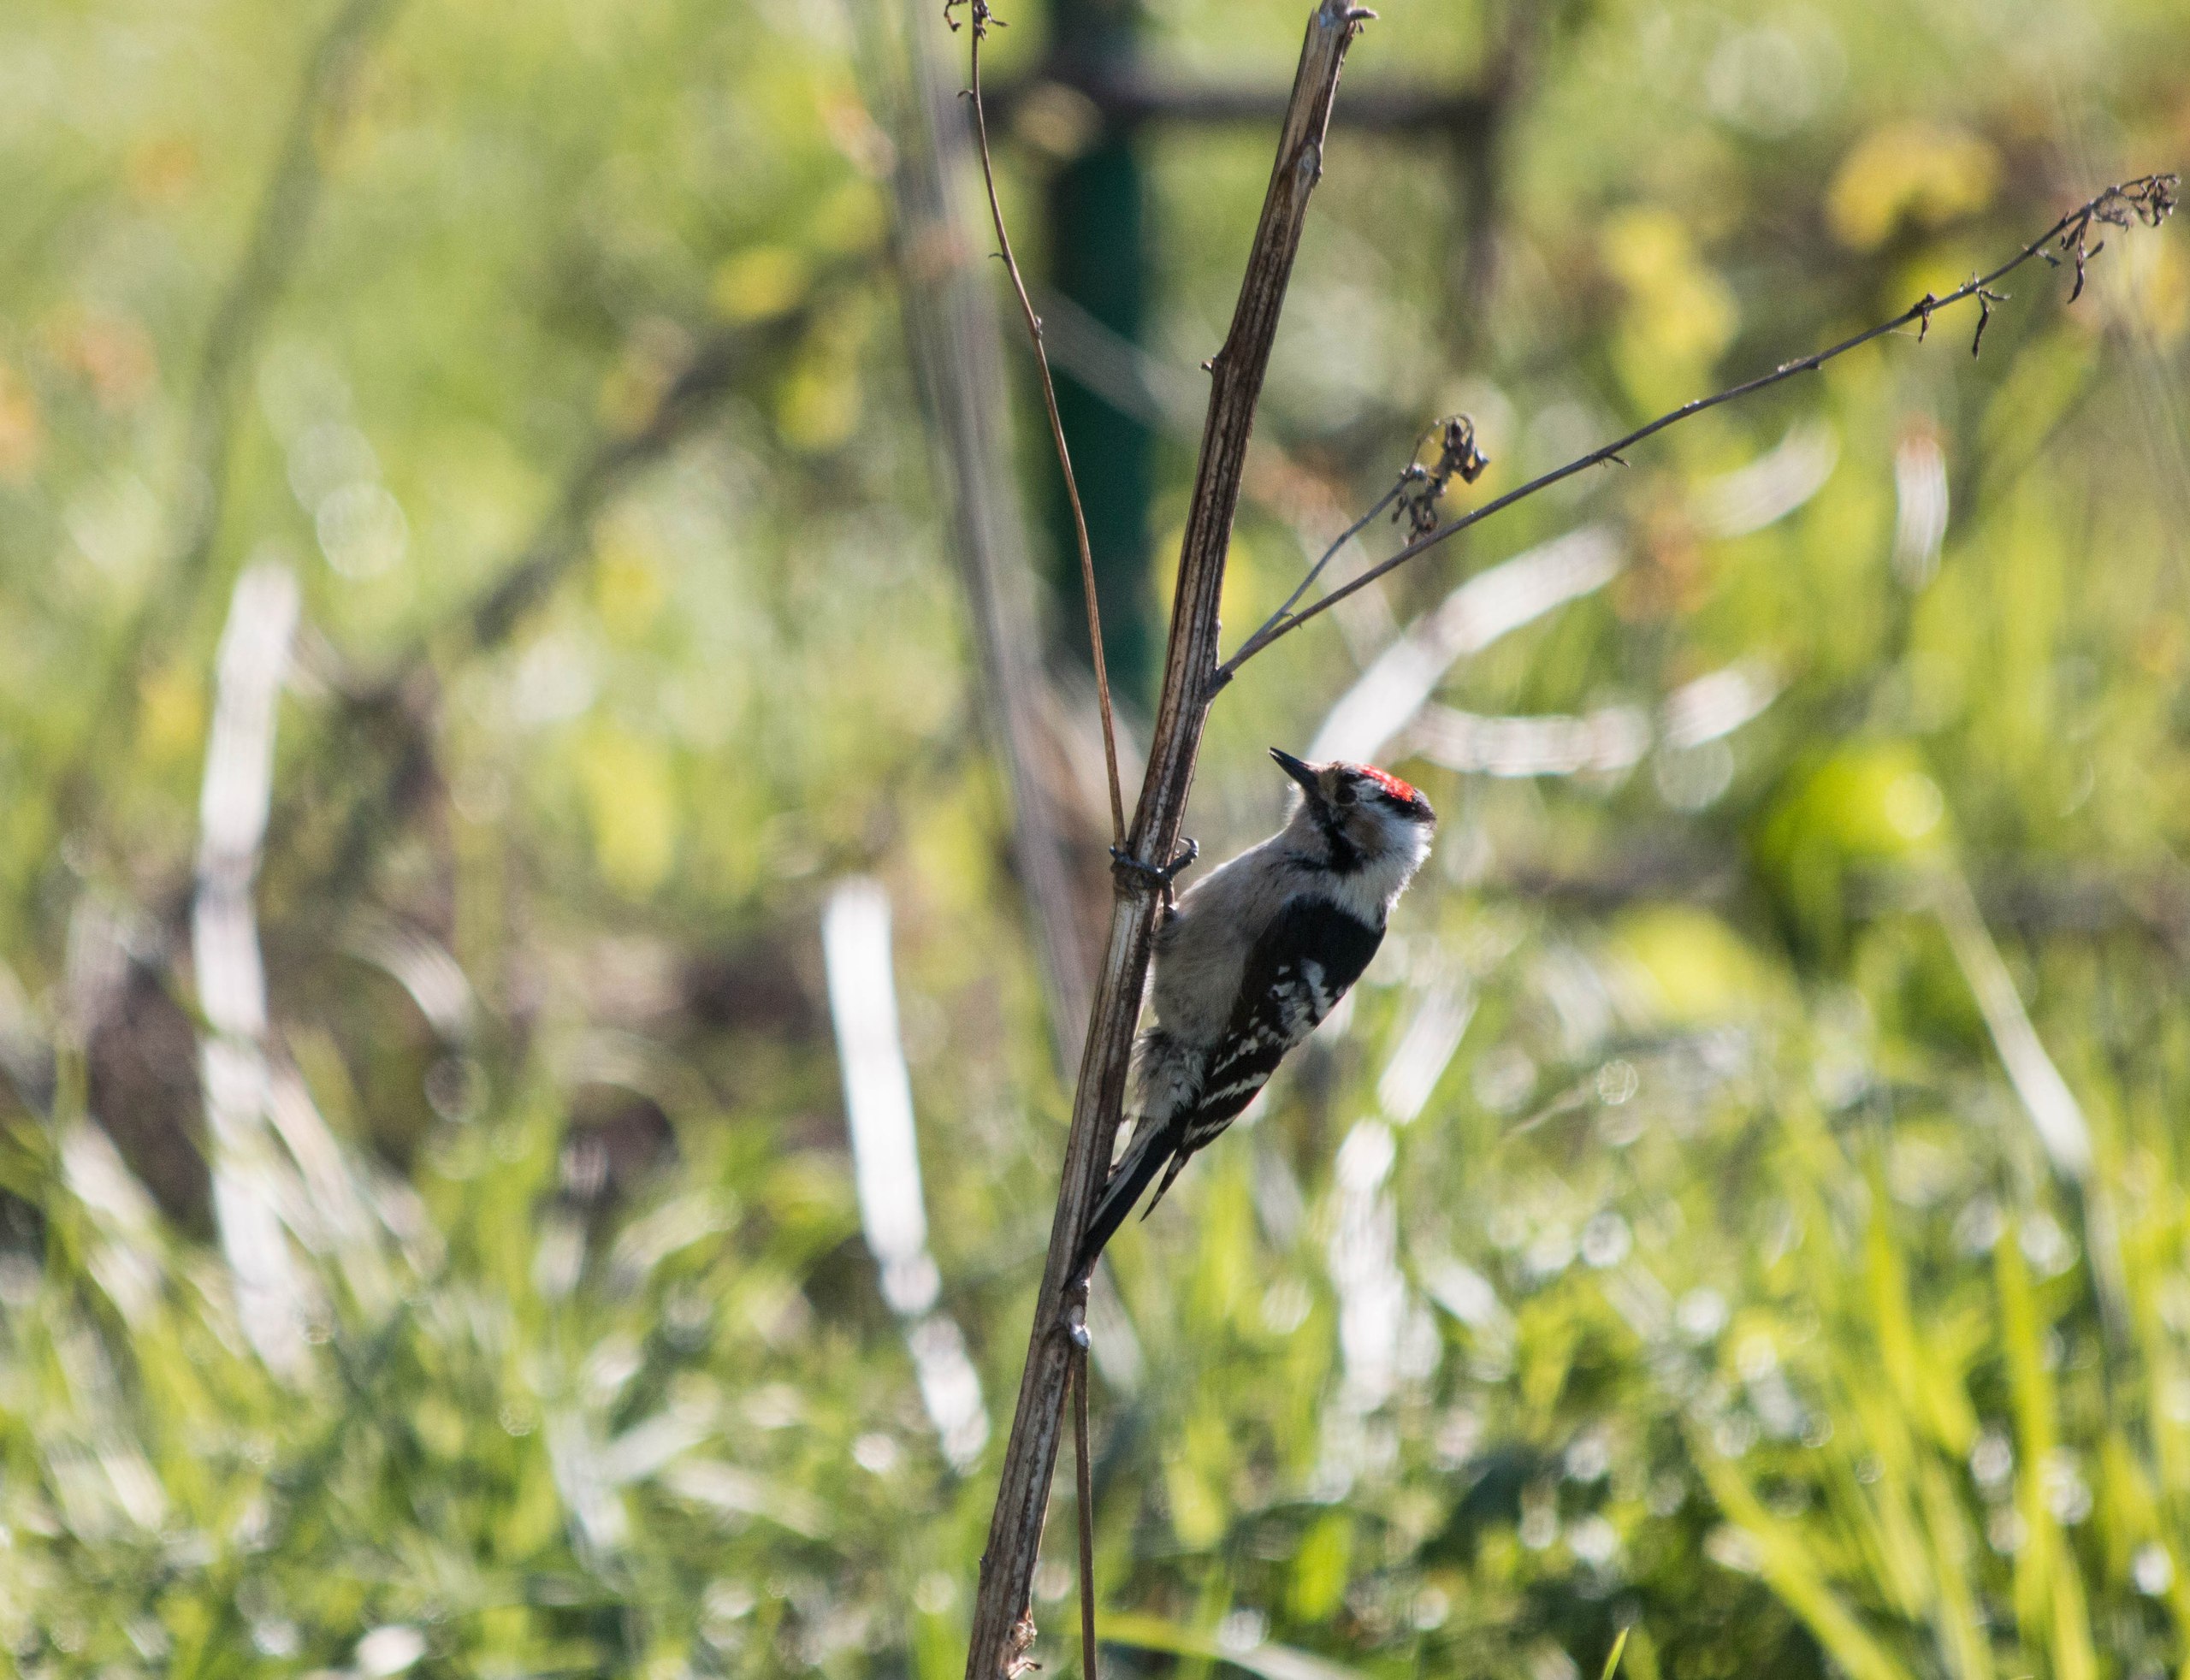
1421, 489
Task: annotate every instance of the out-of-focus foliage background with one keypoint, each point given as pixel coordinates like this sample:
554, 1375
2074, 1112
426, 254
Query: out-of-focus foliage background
1744, 1202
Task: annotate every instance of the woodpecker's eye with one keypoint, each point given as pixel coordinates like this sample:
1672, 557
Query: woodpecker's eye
1342, 794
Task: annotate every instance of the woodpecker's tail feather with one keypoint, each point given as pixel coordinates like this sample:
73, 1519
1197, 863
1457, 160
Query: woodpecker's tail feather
1154, 1148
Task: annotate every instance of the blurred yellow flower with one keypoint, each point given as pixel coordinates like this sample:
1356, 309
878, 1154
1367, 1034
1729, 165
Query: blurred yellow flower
1680, 315
2146, 288
760, 283
1924, 172
630, 798
818, 407
1684, 965
171, 715
628, 586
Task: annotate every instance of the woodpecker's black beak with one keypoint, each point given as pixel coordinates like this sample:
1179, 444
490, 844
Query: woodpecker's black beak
1300, 771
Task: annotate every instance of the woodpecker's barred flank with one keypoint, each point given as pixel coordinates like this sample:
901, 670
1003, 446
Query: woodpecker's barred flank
1252, 958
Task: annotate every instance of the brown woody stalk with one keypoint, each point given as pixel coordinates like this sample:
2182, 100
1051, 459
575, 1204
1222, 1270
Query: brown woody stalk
1003, 1628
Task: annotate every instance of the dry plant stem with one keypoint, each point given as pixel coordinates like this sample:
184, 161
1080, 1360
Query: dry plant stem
1056, 430
1085, 1492
2150, 197
1002, 1627
952, 328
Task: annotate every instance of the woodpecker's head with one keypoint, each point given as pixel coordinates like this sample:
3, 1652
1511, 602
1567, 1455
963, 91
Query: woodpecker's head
1366, 817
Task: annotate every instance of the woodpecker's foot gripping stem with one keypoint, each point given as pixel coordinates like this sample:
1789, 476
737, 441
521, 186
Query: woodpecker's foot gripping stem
1074, 1308
1161, 877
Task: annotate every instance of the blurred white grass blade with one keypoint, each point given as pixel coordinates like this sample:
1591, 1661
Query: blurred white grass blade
642, 1449
273, 1295
339, 1215
878, 1090
1492, 604
1425, 1051
391, 1650
88, 1508
1636, 1296
606, 1056
112, 1477
950, 1388
559, 1254
1919, 526
1774, 485
224, 951
590, 1494
137, 1490
1578, 995
1391, 698
2052, 1107
886, 1159
1364, 1260
1160, 394
402, 1210
254, 654
1719, 703
99, 1408
232, 807
725, 1487
609, 1364
97, 1175
339, 1208
125, 1259
270, 1292
1606, 742
1609, 741
437, 984
24, 1057
104, 1480
1111, 1341
646, 1242
1468, 1295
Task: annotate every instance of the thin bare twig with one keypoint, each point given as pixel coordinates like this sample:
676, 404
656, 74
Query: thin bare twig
1338, 543
952, 331
1417, 490
1003, 1628
2148, 199
1087, 1514
981, 17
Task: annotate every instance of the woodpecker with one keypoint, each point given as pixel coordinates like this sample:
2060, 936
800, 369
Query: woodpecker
1253, 958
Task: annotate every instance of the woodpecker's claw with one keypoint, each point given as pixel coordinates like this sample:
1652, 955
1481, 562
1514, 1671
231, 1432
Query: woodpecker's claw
1073, 1308
1122, 859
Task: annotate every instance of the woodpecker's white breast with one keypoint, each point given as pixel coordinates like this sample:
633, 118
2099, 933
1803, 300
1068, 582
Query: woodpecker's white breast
1201, 952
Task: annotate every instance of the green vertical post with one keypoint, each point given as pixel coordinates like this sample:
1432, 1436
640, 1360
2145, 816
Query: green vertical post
1096, 215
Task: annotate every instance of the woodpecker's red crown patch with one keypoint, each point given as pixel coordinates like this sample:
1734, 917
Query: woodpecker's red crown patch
1391, 784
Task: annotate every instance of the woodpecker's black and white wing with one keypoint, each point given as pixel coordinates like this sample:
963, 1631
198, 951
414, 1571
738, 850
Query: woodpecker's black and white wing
1306, 960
